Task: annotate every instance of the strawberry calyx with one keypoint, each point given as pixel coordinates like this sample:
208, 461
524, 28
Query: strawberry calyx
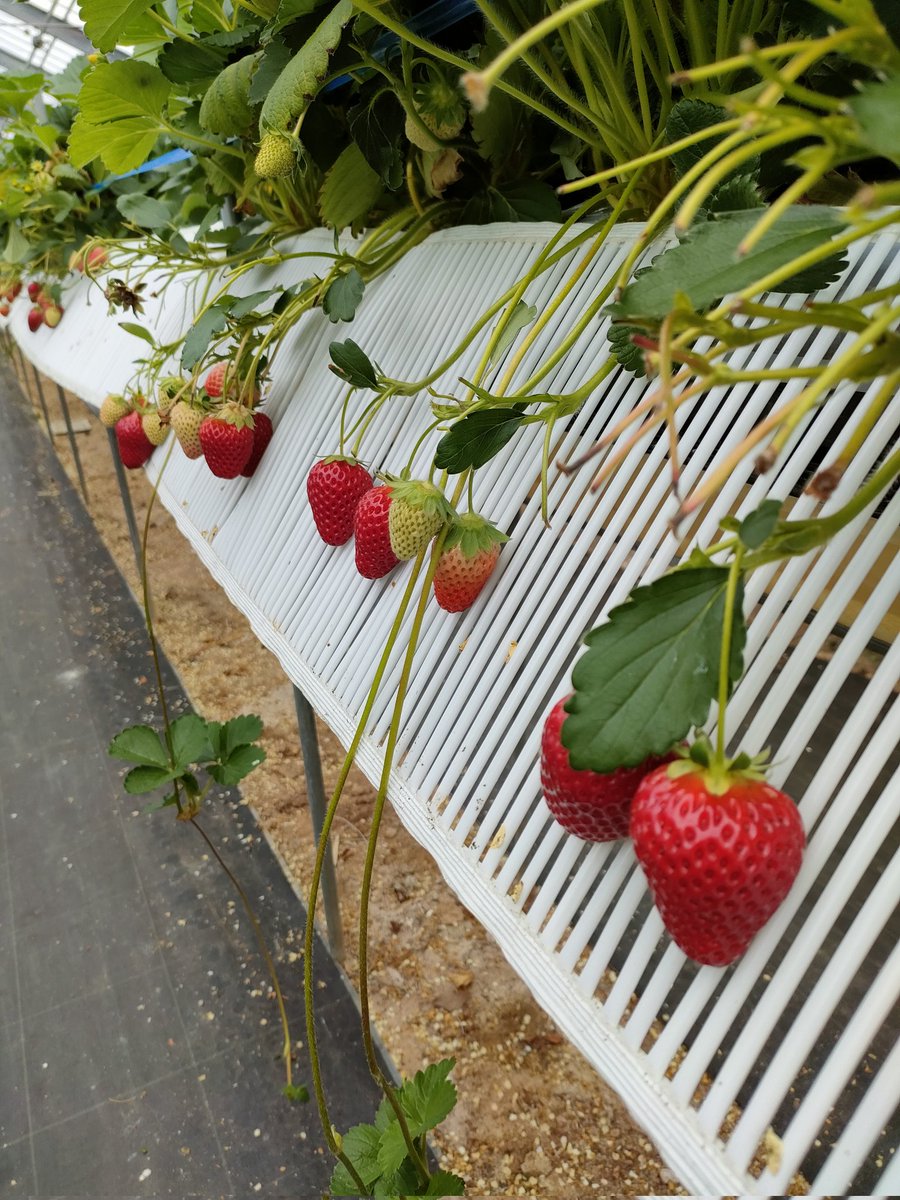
419, 494
473, 534
347, 458
235, 414
699, 758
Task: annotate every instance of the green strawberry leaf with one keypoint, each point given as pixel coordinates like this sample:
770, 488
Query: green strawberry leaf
139, 744
428, 1097
296, 1093
200, 334
391, 1148
402, 1182
240, 730
445, 1183
148, 779
376, 126
707, 266
360, 1144
242, 306
877, 112
692, 116
138, 331
238, 765
475, 439
628, 355
342, 299
145, 211
352, 365
651, 670
190, 741
757, 526
350, 190
522, 315
215, 731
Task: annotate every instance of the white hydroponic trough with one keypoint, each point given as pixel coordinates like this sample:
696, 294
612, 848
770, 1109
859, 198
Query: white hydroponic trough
798, 1038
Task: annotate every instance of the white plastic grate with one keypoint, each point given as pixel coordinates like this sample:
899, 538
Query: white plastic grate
708, 1060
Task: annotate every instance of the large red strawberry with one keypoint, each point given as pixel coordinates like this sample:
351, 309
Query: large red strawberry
134, 445
593, 806
470, 554
720, 848
262, 435
335, 486
226, 438
374, 556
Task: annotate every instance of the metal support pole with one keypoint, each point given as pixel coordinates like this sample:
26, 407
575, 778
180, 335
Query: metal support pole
126, 498
70, 434
40, 392
315, 791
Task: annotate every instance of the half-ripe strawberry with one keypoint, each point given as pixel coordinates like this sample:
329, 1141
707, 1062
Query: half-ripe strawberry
470, 554
134, 446
154, 426
113, 409
374, 556
215, 379
418, 512
262, 435
720, 848
335, 486
186, 418
227, 440
593, 806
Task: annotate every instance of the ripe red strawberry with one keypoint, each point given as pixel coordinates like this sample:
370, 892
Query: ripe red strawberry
335, 486
134, 445
227, 440
4, 309
593, 806
418, 512
720, 848
34, 290
35, 318
215, 379
470, 554
262, 435
374, 556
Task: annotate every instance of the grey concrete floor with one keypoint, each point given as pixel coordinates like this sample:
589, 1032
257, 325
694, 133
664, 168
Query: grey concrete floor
139, 1048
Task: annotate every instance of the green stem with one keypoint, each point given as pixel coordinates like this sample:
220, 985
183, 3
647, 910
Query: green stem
734, 578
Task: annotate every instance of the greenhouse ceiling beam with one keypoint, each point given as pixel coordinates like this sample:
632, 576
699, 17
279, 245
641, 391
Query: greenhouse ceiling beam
50, 27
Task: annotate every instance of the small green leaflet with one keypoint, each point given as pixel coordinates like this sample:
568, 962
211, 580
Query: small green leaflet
360, 1144
147, 779
692, 116
352, 365
139, 744
240, 763
145, 211
475, 439
350, 190
376, 126
706, 266
138, 331
445, 1183
210, 323
429, 1096
242, 306
757, 526
651, 670
877, 112
628, 355
343, 297
190, 741
522, 315
296, 1093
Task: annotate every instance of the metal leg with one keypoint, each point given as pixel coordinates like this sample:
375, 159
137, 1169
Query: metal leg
40, 392
315, 791
70, 433
126, 498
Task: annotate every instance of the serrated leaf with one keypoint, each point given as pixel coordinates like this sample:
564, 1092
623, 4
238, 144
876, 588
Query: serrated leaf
759, 525
210, 323
242, 305
120, 115
343, 297
428, 1097
877, 113
238, 765
239, 731
692, 116
814, 278
526, 200
273, 59
360, 1144
226, 108
353, 365
298, 83
17, 248
215, 731
147, 779
738, 193
350, 190
522, 315
139, 744
146, 211
477, 438
391, 1149
445, 1183
402, 1182
376, 126
628, 355
138, 331
651, 670
706, 266
17, 90
190, 741
107, 21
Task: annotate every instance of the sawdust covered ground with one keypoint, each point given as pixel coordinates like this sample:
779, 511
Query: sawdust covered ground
533, 1118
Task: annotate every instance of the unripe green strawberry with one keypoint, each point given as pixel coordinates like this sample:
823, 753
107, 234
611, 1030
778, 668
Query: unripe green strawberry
275, 157
469, 556
439, 105
113, 409
418, 512
155, 429
167, 391
185, 419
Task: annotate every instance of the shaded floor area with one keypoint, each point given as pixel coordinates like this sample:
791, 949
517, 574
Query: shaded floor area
139, 1045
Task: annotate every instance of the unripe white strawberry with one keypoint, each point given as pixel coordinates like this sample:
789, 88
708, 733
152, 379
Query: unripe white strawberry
113, 409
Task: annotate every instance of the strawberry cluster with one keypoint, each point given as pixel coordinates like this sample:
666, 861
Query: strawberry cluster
395, 521
720, 846
215, 425
45, 307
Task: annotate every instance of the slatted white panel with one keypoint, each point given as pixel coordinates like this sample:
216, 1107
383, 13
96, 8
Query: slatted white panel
708, 1060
